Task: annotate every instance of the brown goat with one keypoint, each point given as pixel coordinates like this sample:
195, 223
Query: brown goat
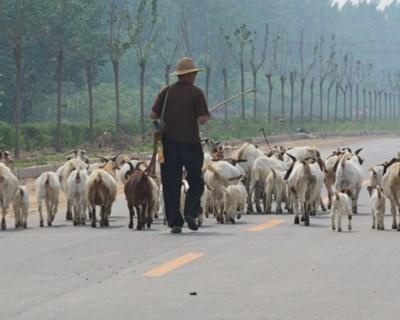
139, 195
101, 190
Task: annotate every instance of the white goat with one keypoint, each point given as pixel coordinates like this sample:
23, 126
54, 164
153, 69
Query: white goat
249, 152
259, 172
219, 175
377, 207
76, 192
48, 189
235, 197
275, 185
391, 189
21, 207
305, 181
63, 173
349, 176
330, 174
8, 188
341, 205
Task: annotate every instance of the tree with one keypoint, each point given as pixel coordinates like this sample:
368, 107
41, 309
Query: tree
118, 44
255, 66
16, 30
305, 71
242, 36
283, 66
168, 49
61, 24
271, 69
324, 67
142, 36
91, 53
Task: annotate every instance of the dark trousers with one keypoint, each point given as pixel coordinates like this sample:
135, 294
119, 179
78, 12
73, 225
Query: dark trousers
178, 156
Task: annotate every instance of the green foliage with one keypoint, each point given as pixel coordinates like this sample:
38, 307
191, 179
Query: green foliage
7, 136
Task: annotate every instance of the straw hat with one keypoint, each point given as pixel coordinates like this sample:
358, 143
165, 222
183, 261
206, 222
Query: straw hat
185, 66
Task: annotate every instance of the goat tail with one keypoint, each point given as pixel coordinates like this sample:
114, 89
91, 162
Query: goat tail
21, 192
379, 190
240, 151
307, 172
273, 174
47, 182
337, 195
343, 162
98, 179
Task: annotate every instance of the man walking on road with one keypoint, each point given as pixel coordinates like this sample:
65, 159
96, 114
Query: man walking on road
182, 107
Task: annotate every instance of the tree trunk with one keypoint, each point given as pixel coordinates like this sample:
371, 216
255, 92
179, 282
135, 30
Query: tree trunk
385, 96
142, 74
117, 105
351, 101
225, 77
18, 95
311, 98
283, 79
321, 84
370, 105
166, 75
255, 100
292, 80
208, 75
60, 61
357, 100
328, 102
364, 102
344, 103
336, 103
302, 85
242, 88
270, 87
90, 97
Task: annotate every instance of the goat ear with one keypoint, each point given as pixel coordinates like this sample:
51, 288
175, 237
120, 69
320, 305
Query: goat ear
369, 188
358, 151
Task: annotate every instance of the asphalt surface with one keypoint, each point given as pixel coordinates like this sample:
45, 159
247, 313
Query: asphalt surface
262, 267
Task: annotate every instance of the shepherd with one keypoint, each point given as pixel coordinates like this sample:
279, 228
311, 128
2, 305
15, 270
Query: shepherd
181, 108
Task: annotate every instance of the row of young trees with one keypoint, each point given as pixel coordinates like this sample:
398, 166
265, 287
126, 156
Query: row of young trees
49, 44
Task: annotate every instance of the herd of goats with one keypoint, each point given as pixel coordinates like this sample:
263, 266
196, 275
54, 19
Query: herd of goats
238, 180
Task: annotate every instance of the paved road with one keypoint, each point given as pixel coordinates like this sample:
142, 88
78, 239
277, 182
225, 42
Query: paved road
263, 267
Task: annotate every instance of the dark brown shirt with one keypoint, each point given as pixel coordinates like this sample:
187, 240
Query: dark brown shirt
185, 103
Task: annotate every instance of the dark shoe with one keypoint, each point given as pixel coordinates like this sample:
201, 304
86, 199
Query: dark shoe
192, 224
176, 229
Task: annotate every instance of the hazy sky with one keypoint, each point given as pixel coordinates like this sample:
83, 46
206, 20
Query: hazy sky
382, 3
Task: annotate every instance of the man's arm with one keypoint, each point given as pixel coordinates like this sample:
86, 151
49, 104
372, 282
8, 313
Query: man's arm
154, 115
203, 119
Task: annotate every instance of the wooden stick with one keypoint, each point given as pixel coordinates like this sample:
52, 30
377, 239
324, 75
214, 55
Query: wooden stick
231, 98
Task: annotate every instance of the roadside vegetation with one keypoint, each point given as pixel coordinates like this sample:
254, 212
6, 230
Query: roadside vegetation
38, 139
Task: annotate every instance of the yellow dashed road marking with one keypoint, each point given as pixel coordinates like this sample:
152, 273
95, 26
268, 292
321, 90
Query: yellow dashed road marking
171, 265
266, 225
